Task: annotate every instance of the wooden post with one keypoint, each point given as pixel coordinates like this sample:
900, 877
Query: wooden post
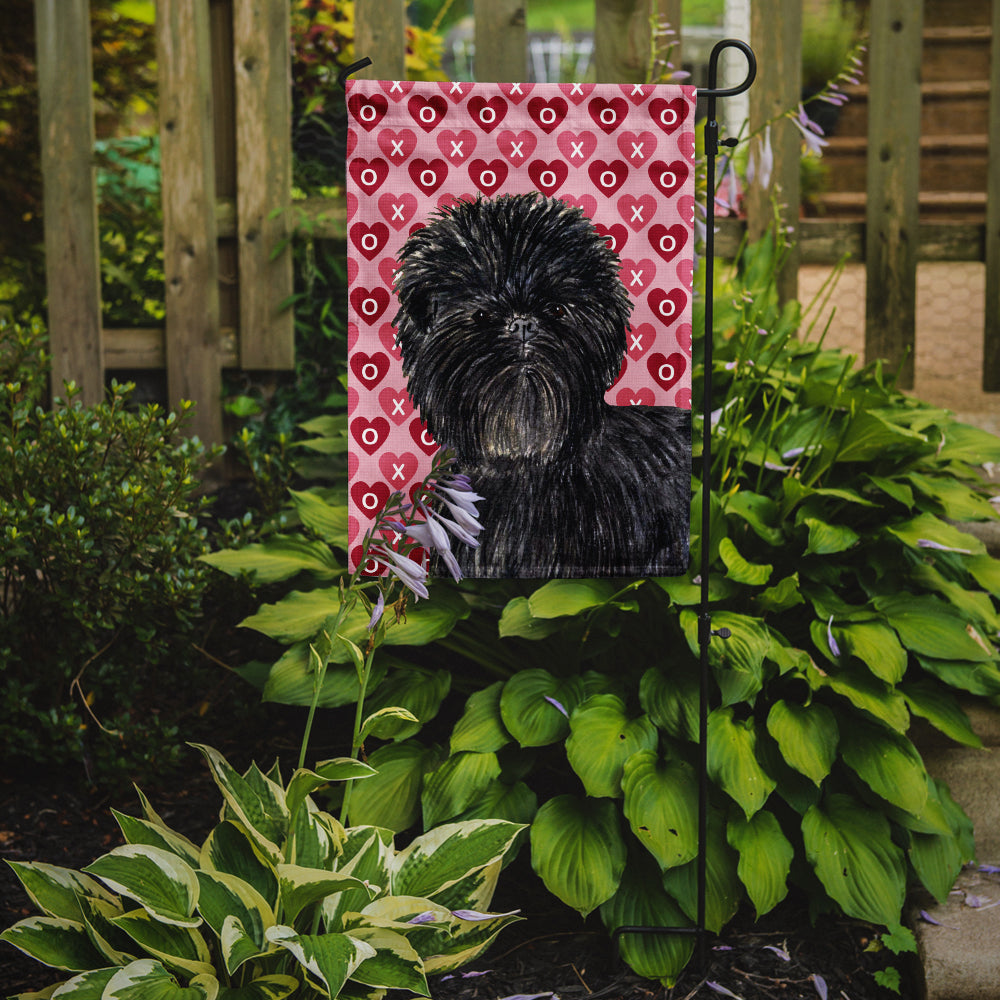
262, 60
991, 333
501, 41
380, 34
72, 256
190, 254
893, 183
776, 35
668, 12
622, 40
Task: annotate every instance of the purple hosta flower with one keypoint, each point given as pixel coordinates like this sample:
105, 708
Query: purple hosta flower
927, 918
475, 915
427, 917
761, 163
558, 705
465, 975
820, 984
719, 988
780, 952
990, 869
927, 543
834, 648
411, 574
377, 612
729, 200
811, 132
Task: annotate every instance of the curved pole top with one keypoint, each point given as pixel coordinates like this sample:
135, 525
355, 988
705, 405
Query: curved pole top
713, 68
353, 68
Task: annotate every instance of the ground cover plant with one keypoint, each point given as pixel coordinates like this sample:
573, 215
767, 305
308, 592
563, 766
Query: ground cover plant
854, 605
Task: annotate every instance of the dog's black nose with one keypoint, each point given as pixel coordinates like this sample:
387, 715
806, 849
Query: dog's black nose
523, 327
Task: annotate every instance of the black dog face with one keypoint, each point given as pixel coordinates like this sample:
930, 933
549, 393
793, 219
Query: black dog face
512, 325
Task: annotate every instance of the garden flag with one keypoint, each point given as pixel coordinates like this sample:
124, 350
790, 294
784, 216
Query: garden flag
520, 260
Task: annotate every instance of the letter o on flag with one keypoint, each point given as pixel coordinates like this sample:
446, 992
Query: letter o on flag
608, 116
488, 178
369, 501
608, 179
428, 178
369, 372
369, 242
368, 177
669, 369
547, 116
369, 436
547, 178
369, 307
667, 245
668, 116
668, 312
487, 115
427, 114
367, 113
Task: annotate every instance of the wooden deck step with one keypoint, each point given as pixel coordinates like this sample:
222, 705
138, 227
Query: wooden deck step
957, 206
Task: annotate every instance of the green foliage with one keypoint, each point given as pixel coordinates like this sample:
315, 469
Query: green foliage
279, 899
99, 540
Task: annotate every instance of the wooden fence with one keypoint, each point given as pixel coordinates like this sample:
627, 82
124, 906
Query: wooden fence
226, 161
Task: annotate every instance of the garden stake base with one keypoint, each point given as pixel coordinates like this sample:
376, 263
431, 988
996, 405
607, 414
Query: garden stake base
705, 630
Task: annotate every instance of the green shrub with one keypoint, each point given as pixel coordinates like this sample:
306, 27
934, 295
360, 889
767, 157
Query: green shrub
99, 540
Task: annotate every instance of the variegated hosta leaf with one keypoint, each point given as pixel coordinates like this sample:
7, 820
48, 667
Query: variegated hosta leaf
147, 979
476, 890
661, 799
116, 946
468, 939
602, 737
441, 857
367, 853
86, 986
315, 839
395, 964
274, 987
732, 760
226, 898
229, 848
177, 947
329, 959
141, 831
807, 736
481, 727
54, 941
850, 847
158, 880
304, 782
56, 891
765, 858
578, 851
300, 887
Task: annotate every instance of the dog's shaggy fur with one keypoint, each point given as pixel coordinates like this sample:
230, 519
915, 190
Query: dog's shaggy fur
512, 326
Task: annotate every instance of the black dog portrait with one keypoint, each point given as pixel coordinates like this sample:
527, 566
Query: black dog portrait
512, 326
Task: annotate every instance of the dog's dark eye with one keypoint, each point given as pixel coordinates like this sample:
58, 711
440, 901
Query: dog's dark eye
480, 316
558, 311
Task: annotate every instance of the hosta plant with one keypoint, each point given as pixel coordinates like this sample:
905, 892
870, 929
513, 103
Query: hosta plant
279, 900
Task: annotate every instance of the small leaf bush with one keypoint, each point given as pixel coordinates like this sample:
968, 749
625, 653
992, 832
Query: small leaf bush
855, 603
280, 899
100, 584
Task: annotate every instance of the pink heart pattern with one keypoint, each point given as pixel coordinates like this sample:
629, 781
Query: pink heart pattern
624, 154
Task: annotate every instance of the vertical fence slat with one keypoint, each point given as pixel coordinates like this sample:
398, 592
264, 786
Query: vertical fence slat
991, 332
261, 58
190, 253
621, 40
776, 35
380, 34
72, 257
501, 40
893, 183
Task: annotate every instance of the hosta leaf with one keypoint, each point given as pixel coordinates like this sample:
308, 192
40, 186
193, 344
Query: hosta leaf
783, 595
291, 680
738, 661
87, 986
870, 435
758, 511
456, 784
54, 941
304, 782
481, 728
395, 964
327, 520
416, 689
866, 692
937, 860
578, 851
98, 916
517, 620
230, 849
850, 848
180, 948
931, 628
225, 897
876, 646
330, 959
301, 887
765, 858
366, 855
602, 738
391, 798
807, 736
558, 598
159, 881
466, 941
671, 699
957, 501
928, 528
279, 558
274, 987
387, 723
661, 799
965, 443
441, 857
141, 831
941, 709
527, 711
732, 760
976, 678
986, 571
147, 979
515, 803
827, 539
888, 763
641, 901
56, 891
739, 569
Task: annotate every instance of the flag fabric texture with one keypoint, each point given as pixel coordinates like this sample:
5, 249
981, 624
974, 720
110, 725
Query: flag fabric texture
510, 248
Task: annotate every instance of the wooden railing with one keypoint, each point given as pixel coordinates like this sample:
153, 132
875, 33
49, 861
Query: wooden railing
226, 160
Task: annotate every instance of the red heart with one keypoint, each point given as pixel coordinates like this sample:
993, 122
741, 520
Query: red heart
669, 115
419, 433
396, 89
369, 303
370, 434
615, 235
517, 92
387, 271
452, 90
637, 212
396, 404
352, 205
353, 398
587, 203
369, 498
683, 399
398, 209
369, 175
685, 271
547, 115
397, 145
369, 369
352, 270
636, 92
640, 339
635, 397
373, 567
397, 469
666, 371
577, 147
448, 200
547, 177
667, 306
516, 146
457, 146
668, 177
353, 462
487, 114
387, 337
608, 177
352, 335
668, 242
576, 92
352, 142
684, 336
369, 240
367, 109
488, 176
636, 275
637, 146
427, 112
608, 115
428, 175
